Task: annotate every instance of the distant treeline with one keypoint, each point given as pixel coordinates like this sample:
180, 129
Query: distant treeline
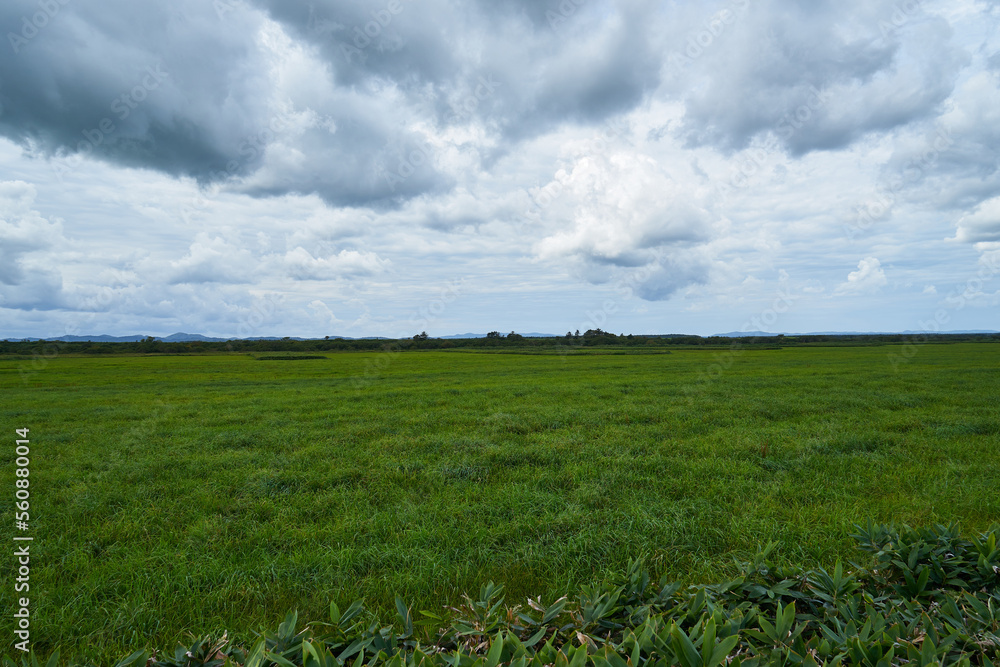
592, 338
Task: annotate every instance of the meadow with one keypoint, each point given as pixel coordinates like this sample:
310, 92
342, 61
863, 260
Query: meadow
177, 494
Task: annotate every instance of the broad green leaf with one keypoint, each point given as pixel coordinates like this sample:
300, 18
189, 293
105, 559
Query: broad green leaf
686, 652
614, 659
535, 638
787, 620
140, 658
405, 620
768, 629
356, 607
279, 660
708, 643
552, 612
496, 650
309, 651
722, 650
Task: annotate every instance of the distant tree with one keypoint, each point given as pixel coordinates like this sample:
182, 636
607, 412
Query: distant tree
514, 336
569, 334
421, 336
494, 334
149, 344
577, 334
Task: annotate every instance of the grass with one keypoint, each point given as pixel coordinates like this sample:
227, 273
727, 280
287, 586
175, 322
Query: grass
176, 494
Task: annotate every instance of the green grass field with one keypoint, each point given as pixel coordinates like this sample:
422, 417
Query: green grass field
176, 494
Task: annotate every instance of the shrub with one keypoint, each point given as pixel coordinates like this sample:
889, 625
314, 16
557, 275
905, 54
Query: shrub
928, 596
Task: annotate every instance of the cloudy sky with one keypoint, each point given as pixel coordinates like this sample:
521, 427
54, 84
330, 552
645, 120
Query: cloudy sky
382, 167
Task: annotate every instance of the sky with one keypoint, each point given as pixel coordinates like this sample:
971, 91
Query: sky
241, 168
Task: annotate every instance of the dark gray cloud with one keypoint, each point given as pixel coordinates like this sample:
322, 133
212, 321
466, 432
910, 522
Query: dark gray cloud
583, 71
372, 103
403, 41
817, 76
347, 107
189, 88
180, 89
670, 275
110, 80
952, 164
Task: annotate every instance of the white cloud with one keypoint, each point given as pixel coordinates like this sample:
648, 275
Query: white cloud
982, 225
323, 313
27, 280
212, 260
301, 265
627, 211
868, 278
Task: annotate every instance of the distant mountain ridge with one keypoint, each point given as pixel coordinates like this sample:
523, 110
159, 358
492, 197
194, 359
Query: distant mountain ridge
479, 335
761, 334
172, 338
181, 337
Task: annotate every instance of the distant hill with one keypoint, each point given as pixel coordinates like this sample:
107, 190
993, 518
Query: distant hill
482, 335
747, 334
102, 338
743, 334
181, 337
188, 338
